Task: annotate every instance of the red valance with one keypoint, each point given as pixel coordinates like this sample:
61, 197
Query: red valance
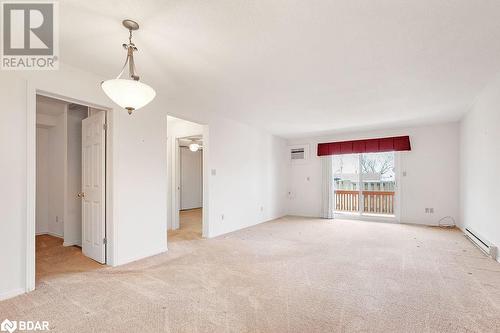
397, 143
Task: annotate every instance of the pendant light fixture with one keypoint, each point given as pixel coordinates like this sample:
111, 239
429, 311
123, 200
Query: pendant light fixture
130, 94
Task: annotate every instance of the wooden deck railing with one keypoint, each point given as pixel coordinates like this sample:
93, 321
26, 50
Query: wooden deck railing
375, 202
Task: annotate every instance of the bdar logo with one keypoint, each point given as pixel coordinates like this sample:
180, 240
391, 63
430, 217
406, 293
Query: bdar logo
8, 326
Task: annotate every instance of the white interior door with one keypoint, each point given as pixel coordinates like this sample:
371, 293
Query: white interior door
93, 187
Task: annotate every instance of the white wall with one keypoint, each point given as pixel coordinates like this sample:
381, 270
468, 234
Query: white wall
480, 165
432, 173
73, 220
42, 180
191, 168
13, 190
251, 173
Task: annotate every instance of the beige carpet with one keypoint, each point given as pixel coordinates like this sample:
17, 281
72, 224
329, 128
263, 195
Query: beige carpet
289, 275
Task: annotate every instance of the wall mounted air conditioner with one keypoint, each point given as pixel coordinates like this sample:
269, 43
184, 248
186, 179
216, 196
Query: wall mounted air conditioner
298, 153
485, 246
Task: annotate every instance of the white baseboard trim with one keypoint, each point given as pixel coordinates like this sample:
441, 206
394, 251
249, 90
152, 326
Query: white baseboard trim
72, 243
11, 293
143, 256
50, 234
217, 234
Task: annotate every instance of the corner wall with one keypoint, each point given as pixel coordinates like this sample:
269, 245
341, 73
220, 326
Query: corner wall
480, 165
57, 174
42, 181
431, 180
248, 176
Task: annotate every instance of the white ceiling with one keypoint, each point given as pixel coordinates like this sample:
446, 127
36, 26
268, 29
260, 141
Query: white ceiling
294, 67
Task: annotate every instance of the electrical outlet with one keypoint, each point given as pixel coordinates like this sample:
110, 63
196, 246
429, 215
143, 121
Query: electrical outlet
431, 210
222, 217
427, 210
308, 178
213, 172
57, 218
404, 173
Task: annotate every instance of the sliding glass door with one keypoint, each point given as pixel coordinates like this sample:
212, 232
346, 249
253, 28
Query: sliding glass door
365, 184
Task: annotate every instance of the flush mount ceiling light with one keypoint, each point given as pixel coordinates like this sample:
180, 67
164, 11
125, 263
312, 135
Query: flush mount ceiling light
194, 146
129, 93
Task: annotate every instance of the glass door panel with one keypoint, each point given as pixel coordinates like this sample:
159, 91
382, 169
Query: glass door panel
378, 183
346, 177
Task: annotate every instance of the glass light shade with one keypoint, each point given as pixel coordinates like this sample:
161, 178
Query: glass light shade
129, 94
194, 147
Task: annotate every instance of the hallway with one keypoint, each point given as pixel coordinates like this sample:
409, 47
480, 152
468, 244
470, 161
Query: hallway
190, 222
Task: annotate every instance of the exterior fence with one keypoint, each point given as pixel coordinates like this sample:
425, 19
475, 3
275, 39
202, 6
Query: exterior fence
374, 202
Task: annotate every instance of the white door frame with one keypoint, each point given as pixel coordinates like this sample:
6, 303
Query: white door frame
31, 93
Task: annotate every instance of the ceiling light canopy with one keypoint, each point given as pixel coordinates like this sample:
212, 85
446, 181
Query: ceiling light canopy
130, 94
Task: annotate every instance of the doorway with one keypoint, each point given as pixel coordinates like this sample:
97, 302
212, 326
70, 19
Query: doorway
70, 188
191, 186
186, 155
366, 185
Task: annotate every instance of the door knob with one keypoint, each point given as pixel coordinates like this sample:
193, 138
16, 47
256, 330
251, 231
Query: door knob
81, 195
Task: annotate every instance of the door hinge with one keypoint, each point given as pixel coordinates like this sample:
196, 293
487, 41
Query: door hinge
105, 127
104, 241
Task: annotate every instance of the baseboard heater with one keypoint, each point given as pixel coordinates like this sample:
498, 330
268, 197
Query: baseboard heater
482, 243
